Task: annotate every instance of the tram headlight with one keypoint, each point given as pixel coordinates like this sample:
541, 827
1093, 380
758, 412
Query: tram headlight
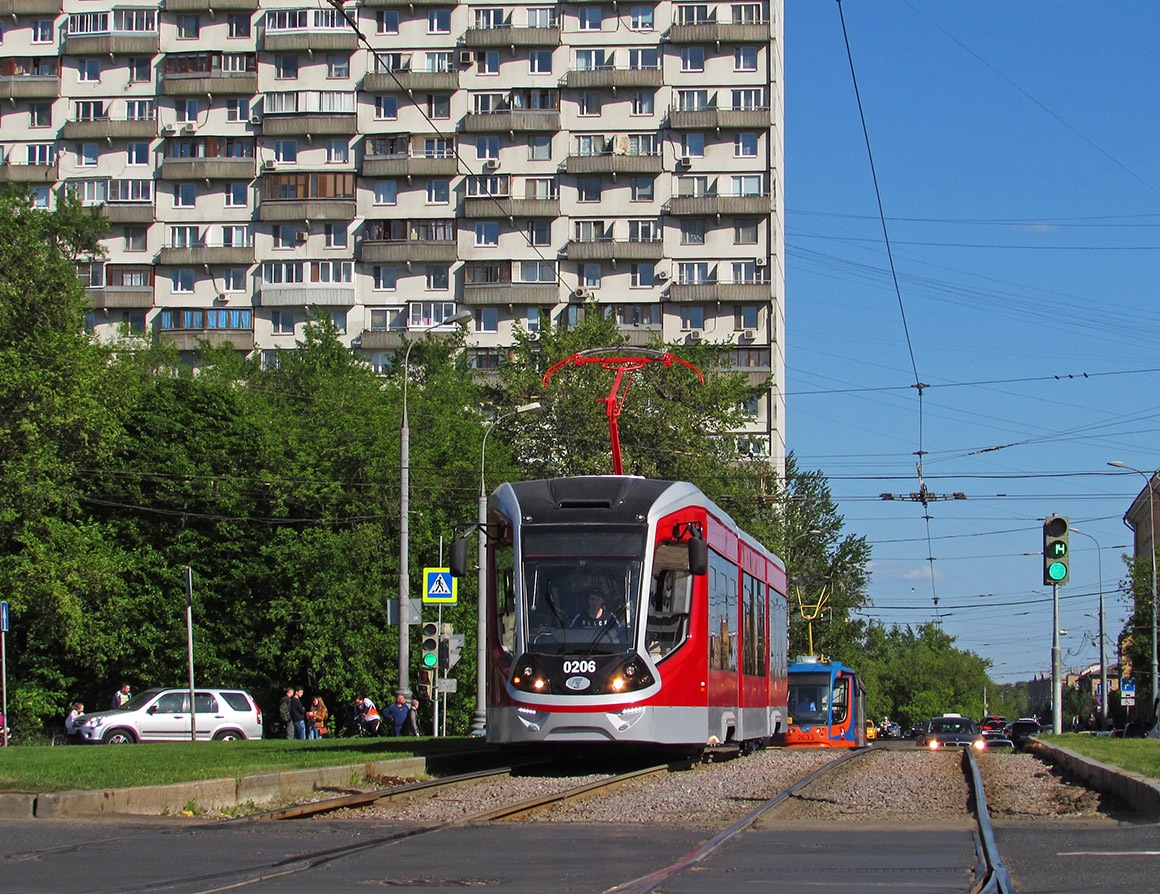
529, 677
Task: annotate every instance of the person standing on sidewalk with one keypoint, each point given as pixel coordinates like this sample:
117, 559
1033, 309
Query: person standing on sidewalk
284, 712
298, 714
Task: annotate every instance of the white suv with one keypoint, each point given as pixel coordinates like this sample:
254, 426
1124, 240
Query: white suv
163, 714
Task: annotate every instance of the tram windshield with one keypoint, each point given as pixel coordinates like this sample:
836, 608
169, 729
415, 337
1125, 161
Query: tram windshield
582, 589
810, 699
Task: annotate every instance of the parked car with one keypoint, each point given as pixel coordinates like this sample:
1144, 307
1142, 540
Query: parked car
871, 732
163, 715
997, 738
951, 731
994, 722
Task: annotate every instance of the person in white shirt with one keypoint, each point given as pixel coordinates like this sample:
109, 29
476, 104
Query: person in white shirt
70, 722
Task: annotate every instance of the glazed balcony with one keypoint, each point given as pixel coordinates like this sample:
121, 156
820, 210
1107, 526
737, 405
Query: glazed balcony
507, 36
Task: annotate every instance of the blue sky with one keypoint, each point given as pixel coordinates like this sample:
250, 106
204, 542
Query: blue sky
1016, 151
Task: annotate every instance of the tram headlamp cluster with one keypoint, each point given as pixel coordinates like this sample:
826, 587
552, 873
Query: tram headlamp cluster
527, 677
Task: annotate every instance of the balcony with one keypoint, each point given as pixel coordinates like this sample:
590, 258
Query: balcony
613, 163
225, 83
306, 209
395, 4
381, 339
723, 32
304, 39
720, 291
208, 5
394, 81
111, 297
399, 251
192, 339
29, 7
135, 43
614, 77
505, 206
110, 129
310, 124
479, 38
10, 173
510, 293
614, 249
129, 212
512, 121
208, 168
207, 254
30, 87
705, 205
305, 296
403, 165
709, 119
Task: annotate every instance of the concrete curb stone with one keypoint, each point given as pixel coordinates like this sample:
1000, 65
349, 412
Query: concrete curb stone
208, 795
1141, 793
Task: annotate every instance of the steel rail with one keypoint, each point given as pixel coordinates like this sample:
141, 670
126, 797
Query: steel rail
995, 878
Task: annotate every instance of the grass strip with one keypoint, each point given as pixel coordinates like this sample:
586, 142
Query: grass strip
1140, 756
42, 768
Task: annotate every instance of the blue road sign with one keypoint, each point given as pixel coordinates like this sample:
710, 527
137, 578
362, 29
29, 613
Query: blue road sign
440, 587
3, 617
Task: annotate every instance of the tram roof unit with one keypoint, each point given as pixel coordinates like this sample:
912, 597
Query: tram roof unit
806, 664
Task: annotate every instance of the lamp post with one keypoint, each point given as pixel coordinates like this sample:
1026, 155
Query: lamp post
479, 718
1103, 659
1152, 543
405, 513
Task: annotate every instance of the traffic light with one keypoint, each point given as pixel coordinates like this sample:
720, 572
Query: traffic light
445, 647
427, 684
430, 646
1056, 556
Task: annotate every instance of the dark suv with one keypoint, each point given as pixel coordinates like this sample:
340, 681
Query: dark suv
1019, 731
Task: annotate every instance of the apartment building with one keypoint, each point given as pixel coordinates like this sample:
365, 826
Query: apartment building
400, 160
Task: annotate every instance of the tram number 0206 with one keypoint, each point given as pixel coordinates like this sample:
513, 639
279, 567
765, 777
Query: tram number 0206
580, 666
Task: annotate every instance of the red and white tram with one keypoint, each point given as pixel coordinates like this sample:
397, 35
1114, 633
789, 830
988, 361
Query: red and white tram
690, 646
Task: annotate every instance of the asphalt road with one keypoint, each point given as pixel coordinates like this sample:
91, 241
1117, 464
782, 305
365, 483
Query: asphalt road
184, 857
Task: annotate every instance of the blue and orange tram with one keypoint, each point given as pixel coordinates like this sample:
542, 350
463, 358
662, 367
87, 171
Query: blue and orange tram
628, 610
827, 706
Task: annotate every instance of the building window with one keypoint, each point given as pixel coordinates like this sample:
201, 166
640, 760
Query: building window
379, 318
488, 63
186, 110
336, 235
387, 21
540, 61
692, 317
40, 114
188, 27
137, 154
438, 192
590, 18
692, 231
641, 189
436, 279
337, 66
87, 154
439, 21
338, 150
692, 59
286, 151
642, 274
238, 24
487, 319
136, 238
537, 271
282, 322
386, 107
588, 104
183, 280
439, 105
487, 147
745, 316
588, 189
539, 232
745, 59
643, 103
486, 233
338, 317
386, 192
184, 195
745, 145
286, 67
385, 279
237, 110
540, 147
641, 18
745, 232
693, 145
590, 275
89, 70
42, 31
540, 17
234, 279
236, 235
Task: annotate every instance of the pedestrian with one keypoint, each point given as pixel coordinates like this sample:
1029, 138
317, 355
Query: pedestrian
366, 717
70, 722
411, 724
398, 713
284, 712
122, 696
316, 719
298, 714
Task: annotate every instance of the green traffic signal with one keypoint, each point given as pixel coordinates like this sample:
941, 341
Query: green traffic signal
1056, 571
430, 659
1056, 529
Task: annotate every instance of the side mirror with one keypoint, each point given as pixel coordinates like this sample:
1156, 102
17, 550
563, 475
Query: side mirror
152, 709
698, 556
459, 556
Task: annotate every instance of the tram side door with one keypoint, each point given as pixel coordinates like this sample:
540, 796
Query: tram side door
840, 708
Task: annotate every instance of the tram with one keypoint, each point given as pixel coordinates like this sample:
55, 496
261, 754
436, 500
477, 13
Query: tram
629, 611
827, 706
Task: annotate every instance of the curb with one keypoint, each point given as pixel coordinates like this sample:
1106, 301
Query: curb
209, 795
1141, 793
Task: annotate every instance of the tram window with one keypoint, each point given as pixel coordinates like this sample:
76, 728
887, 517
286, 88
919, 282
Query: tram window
841, 701
505, 560
670, 600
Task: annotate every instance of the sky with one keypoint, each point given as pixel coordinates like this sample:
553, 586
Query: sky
1016, 147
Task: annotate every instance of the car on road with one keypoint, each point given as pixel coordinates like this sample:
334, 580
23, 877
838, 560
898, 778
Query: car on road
159, 715
951, 731
993, 723
871, 732
1019, 731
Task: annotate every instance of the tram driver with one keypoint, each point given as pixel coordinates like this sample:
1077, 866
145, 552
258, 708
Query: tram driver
596, 615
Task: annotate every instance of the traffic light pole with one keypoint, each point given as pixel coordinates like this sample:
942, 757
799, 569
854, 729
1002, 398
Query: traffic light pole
1056, 678
435, 694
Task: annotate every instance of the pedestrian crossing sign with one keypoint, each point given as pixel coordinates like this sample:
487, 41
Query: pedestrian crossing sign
440, 588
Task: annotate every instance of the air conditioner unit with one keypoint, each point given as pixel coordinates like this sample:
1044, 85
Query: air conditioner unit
269, 164
760, 262
300, 235
255, 119
749, 334
684, 161
491, 164
582, 294
695, 334
466, 57
661, 275
189, 128
168, 130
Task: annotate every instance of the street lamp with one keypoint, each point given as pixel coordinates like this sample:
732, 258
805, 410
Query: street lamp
1152, 543
479, 718
405, 512
1103, 659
